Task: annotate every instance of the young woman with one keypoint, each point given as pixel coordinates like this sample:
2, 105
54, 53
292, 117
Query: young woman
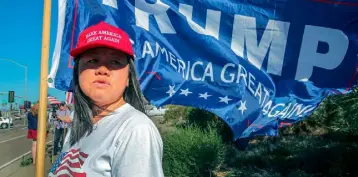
32, 128
110, 136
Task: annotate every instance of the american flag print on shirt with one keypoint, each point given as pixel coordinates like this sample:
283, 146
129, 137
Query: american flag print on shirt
69, 164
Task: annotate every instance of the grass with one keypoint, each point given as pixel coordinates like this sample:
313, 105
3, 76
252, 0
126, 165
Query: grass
26, 161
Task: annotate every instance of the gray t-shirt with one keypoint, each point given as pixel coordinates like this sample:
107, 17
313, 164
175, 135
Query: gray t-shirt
124, 144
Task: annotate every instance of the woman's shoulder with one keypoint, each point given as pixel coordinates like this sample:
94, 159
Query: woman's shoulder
134, 118
135, 123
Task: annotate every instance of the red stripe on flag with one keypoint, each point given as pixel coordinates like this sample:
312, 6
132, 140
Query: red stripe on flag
69, 64
69, 98
69, 170
71, 164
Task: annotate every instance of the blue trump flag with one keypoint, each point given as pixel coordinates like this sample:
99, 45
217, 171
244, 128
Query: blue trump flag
258, 64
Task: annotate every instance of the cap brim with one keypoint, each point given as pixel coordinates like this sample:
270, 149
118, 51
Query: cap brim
79, 50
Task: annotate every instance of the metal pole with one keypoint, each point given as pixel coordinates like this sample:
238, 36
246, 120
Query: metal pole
10, 116
41, 130
25, 90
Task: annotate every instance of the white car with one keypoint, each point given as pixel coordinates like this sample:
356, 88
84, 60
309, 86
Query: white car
5, 122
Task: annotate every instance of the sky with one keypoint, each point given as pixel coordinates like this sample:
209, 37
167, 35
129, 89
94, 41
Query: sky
20, 41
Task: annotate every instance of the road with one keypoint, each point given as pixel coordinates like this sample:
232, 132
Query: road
17, 125
13, 142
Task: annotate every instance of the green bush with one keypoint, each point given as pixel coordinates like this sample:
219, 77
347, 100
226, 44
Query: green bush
175, 114
26, 161
204, 119
184, 116
196, 148
200, 117
192, 152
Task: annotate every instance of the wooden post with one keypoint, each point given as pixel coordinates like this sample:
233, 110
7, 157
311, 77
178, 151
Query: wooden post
41, 128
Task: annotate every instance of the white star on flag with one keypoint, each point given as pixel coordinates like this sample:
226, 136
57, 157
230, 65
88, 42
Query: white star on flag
185, 92
242, 107
171, 90
205, 95
225, 99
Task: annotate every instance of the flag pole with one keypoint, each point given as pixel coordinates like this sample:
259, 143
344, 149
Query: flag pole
41, 129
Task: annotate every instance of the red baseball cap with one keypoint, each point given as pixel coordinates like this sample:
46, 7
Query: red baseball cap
103, 35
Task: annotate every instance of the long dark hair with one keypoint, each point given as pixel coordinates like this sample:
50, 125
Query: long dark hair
83, 112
